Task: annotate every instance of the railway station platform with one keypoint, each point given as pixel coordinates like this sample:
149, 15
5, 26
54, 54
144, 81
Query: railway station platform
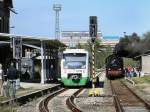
36, 85
26, 88
29, 89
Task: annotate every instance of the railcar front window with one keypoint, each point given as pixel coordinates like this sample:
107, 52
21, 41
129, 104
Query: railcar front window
75, 61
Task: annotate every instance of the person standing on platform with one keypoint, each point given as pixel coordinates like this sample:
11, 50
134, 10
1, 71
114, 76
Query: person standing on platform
101, 83
129, 71
12, 75
1, 80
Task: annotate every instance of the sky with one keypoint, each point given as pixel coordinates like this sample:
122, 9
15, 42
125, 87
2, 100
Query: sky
37, 18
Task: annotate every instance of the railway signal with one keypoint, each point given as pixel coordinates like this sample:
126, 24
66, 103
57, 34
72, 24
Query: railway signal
93, 35
93, 28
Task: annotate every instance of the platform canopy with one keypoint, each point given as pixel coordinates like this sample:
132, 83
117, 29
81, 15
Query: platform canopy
47, 49
30, 40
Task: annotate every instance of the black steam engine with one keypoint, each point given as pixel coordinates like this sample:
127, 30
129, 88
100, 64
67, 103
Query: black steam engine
114, 67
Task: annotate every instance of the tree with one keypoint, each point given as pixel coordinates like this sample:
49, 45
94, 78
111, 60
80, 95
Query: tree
147, 35
99, 60
103, 53
145, 42
129, 46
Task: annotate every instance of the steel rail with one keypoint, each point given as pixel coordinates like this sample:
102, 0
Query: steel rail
147, 105
28, 97
43, 105
118, 106
70, 102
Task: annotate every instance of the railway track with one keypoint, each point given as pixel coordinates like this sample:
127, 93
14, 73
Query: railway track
70, 102
118, 106
21, 100
43, 106
126, 100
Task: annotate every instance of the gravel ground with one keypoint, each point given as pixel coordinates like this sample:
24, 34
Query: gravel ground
107, 88
85, 103
33, 105
30, 107
143, 90
135, 109
96, 104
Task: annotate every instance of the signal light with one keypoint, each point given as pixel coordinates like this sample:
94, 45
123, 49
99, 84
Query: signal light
93, 28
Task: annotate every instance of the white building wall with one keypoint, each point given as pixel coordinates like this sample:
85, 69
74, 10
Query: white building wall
146, 64
73, 38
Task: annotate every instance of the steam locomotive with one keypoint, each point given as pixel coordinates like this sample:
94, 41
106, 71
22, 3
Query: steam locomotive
114, 67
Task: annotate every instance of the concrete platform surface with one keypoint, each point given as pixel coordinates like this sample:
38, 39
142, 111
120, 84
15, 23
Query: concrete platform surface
36, 85
28, 88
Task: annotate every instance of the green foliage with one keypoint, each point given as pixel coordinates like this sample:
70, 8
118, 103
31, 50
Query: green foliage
145, 79
100, 56
130, 61
8, 108
147, 36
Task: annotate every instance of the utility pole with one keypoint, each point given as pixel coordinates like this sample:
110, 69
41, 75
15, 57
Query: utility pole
57, 9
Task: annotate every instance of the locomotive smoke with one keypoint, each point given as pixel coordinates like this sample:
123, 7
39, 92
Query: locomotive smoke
131, 46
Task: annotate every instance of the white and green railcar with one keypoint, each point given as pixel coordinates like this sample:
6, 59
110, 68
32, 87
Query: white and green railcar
75, 69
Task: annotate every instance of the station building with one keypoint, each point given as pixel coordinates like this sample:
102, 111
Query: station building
144, 63
73, 38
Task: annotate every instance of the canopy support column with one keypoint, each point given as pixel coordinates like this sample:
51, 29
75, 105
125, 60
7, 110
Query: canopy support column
43, 74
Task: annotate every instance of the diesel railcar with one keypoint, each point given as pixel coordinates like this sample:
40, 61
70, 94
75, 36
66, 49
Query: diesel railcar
75, 67
114, 67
